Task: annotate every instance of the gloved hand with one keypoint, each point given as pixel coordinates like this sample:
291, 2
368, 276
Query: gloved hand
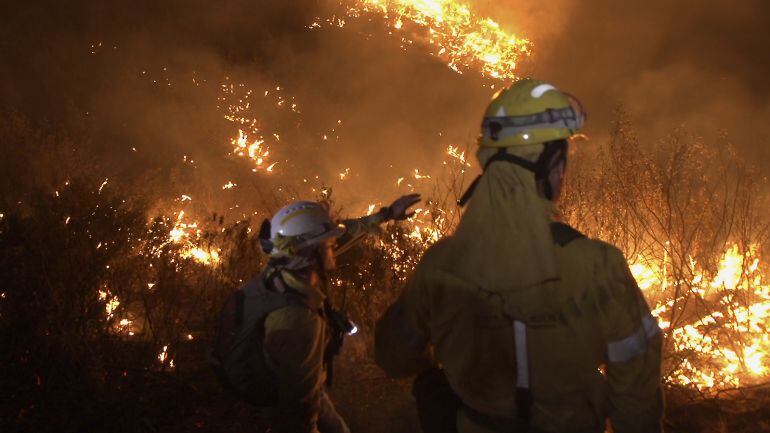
398, 209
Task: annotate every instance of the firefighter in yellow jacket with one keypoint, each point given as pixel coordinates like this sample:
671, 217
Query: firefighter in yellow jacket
517, 322
299, 333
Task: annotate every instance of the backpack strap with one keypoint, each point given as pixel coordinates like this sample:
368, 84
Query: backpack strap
563, 234
274, 283
239, 307
257, 299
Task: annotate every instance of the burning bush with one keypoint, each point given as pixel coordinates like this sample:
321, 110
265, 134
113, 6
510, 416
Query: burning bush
108, 308
690, 219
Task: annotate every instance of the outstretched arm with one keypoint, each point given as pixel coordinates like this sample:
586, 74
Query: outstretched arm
398, 210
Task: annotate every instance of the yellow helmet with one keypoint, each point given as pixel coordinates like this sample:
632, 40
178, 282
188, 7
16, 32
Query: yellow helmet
530, 112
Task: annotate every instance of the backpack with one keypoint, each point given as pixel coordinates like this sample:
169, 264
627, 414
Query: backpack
238, 356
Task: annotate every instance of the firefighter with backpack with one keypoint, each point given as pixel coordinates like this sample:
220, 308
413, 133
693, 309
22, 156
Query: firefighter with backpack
517, 322
278, 334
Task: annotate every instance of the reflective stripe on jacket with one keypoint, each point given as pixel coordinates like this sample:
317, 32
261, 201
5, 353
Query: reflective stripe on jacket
594, 318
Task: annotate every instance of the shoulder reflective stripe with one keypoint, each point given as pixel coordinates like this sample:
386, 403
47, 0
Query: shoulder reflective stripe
627, 348
522, 357
651, 327
635, 344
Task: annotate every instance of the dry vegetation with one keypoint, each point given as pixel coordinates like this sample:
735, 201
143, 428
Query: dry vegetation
692, 218
67, 366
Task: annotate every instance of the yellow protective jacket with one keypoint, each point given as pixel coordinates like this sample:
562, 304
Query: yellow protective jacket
593, 350
295, 340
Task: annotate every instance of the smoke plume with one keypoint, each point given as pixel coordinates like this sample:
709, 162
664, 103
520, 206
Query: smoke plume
143, 81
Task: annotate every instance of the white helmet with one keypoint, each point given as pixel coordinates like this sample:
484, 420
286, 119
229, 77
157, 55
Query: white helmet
300, 225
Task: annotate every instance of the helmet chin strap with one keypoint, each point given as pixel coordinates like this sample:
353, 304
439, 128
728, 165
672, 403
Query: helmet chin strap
555, 152
541, 168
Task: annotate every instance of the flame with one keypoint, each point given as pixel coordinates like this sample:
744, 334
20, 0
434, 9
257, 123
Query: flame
419, 176
252, 141
727, 346
646, 273
187, 235
730, 270
183, 231
202, 256
462, 38
454, 152
255, 149
163, 356
111, 303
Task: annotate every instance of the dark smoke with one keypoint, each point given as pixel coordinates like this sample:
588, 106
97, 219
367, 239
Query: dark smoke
395, 106
702, 65
669, 63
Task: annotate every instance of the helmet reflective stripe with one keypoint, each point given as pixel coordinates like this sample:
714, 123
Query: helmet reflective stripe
501, 127
539, 90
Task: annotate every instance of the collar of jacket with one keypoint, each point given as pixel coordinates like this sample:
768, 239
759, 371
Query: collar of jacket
307, 285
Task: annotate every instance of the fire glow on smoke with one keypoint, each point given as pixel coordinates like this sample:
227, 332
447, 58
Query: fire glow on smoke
462, 38
721, 344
